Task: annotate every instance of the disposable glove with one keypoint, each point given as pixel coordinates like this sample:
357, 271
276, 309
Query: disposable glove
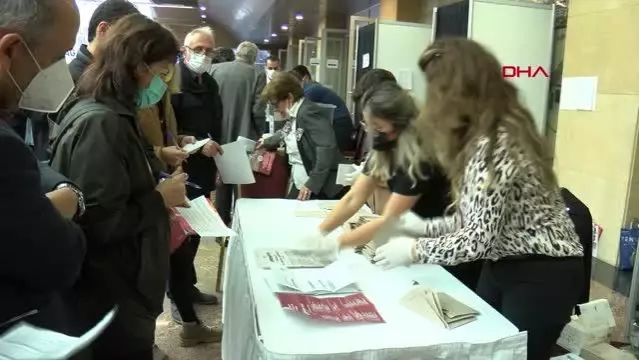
411, 224
349, 179
397, 252
321, 244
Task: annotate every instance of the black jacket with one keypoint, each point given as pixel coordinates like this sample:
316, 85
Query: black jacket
78, 65
198, 112
317, 146
100, 148
49, 178
41, 252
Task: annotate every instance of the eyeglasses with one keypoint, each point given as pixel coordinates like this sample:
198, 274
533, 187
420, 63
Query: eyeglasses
202, 51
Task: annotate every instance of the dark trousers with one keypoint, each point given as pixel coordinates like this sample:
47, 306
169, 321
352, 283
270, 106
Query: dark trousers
467, 273
537, 294
182, 278
225, 196
293, 192
344, 131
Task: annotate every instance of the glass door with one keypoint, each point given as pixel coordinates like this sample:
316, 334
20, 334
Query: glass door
308, 55
351, 70
334, 64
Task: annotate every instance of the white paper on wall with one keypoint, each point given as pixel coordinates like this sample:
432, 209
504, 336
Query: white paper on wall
579, 93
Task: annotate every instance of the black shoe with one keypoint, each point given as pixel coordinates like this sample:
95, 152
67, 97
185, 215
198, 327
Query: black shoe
175, 314
201, 298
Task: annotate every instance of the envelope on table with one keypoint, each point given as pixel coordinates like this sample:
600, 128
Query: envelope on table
439, 307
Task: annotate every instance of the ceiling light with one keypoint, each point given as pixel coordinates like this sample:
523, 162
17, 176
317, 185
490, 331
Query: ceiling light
267, 41
203, 8
299, 17
203, 16
273, 35
284, 27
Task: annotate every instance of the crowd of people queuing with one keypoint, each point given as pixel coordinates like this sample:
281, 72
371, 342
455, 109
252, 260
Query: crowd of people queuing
92, 166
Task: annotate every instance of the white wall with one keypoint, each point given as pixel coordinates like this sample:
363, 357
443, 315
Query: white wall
518, 35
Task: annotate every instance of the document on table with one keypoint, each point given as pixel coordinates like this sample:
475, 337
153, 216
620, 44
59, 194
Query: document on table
340, 309
290, 258
438, 307
248, 143
191, 148
204, 220
234, 165
333, 279
316, 209
27, 342
343, 172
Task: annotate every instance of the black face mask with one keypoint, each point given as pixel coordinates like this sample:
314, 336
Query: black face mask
381, 142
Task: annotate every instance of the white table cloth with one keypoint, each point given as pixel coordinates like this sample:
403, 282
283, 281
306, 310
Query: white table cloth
256, 327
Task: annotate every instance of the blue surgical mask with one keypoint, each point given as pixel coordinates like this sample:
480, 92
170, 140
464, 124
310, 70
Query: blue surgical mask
152, 94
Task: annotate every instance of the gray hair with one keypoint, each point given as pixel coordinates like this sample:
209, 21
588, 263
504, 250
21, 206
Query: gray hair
29, 18
206, 31
247, 52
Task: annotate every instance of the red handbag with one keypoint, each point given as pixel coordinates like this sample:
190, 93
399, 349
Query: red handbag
180, 230
262, 161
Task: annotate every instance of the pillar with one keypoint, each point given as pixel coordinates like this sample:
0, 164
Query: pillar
596, 153
401, 10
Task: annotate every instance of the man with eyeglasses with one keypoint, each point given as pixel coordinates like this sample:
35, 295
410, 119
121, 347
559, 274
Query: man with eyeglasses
198, 112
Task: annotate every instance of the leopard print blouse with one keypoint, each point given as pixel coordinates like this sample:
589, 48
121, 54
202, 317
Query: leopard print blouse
514, 216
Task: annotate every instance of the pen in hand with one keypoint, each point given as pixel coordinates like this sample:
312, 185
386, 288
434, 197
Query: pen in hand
188, 183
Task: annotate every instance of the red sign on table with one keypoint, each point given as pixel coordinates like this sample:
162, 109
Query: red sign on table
342, 309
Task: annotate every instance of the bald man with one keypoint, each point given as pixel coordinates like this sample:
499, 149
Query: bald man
42, 252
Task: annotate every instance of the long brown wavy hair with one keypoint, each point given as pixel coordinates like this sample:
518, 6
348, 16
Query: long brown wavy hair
467, 100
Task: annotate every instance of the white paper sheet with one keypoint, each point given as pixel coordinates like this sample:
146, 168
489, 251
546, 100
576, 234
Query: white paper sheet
334, 278
405, 79
343, 170
366, 60
27, 342
205, 220
191, 148
248, 143
234, 165
578, 93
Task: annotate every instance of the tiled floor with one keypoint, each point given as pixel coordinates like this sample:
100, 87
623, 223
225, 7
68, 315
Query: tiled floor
608, 283
167, 332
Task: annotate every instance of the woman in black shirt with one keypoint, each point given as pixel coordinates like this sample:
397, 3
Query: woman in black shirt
389, 112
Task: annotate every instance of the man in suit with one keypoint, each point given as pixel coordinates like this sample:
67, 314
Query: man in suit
34, 37
240, 85
198, 113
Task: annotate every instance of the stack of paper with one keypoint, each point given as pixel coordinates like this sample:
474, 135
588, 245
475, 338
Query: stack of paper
333, 279
204, 220
290, 258
321, 210
439, 307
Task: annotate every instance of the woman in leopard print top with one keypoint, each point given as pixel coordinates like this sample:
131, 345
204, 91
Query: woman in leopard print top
508, 206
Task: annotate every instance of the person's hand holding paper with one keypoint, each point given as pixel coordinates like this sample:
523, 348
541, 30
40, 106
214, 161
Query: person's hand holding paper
321, 244
173, 189
211, 149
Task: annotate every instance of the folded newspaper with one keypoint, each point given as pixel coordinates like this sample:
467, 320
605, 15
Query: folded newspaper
439, 307
268, 258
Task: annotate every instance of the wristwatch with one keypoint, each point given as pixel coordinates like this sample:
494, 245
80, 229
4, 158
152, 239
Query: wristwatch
81, 205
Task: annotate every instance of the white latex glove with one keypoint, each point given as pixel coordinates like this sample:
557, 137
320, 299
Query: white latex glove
321, 244
412, 225
350, 178
397, 252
